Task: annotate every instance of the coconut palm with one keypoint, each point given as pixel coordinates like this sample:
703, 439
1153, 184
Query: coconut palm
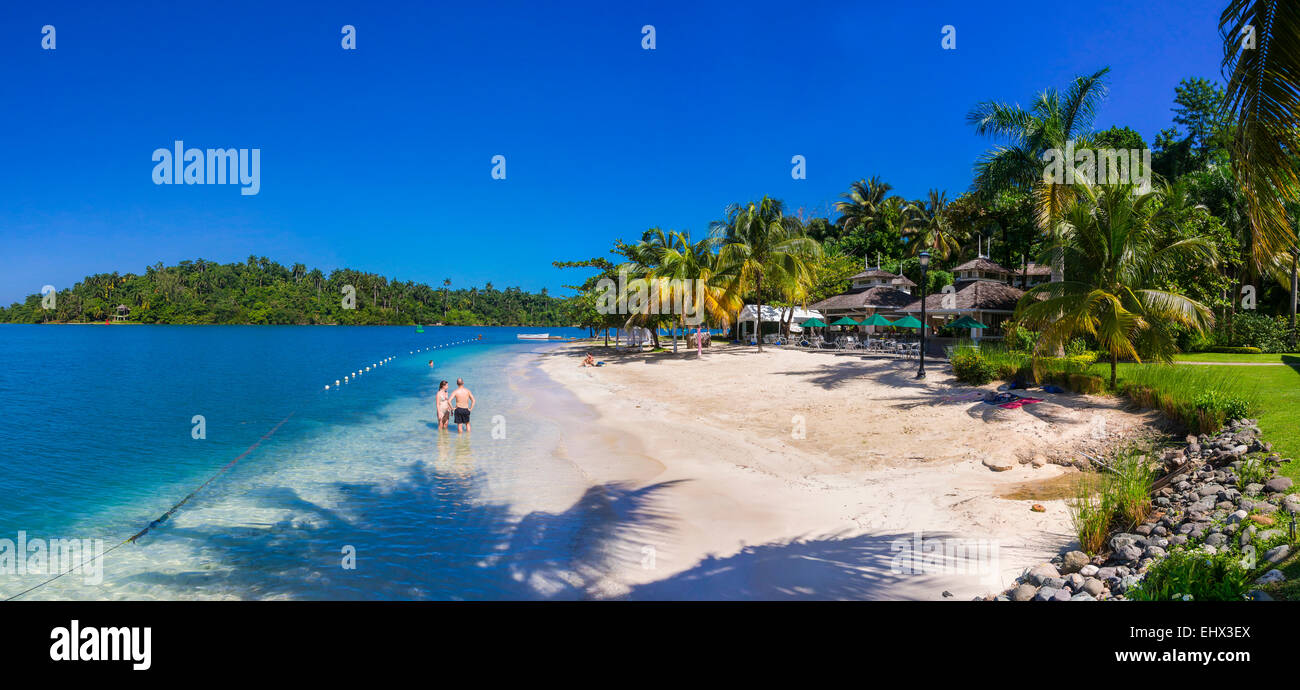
926, 226
1111, 243
688, 265
1053, 120
1263, 97
861, 205
761, 246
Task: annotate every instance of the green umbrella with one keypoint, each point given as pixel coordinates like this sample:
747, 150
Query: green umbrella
908, 322
844, 321
966, 322
813, 323
877, 320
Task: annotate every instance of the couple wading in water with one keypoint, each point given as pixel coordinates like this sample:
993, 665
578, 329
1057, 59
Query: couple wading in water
455, 405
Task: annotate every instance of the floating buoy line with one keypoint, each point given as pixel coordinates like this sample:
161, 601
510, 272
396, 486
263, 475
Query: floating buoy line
338, 383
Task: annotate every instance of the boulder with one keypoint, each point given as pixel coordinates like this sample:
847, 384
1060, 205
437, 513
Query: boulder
1074, 562
1277, 485
1024, 592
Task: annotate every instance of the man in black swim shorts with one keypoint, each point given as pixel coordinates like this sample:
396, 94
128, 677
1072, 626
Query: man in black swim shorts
463, 403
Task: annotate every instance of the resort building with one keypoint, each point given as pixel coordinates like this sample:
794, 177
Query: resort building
1031, 274
980, 291
747, 322
873, 291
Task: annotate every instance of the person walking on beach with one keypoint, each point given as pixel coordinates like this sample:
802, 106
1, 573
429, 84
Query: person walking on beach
464, 404
444, 405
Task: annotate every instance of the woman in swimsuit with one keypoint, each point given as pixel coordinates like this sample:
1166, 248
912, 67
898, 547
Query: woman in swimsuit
444, 406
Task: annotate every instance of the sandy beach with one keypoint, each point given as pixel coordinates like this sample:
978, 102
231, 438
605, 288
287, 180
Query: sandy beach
796, 474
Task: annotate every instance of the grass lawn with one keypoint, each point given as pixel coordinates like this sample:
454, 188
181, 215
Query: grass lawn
1276, 391
1225, 357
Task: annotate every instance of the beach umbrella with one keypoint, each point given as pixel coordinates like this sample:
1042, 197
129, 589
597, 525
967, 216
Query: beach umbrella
813, 323
844, 321
908, 322
966, 322
877, 320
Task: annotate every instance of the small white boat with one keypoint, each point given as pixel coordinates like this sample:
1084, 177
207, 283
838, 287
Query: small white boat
533, 336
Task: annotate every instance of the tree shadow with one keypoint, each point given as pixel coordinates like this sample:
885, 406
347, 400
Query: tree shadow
867, 566
426, 537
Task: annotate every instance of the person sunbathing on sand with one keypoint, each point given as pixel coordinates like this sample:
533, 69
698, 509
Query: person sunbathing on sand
590, 361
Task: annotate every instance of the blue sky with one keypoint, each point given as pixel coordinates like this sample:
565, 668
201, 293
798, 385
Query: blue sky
379, 159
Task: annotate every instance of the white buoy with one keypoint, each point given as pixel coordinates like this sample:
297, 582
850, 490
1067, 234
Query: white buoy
336, 382
327, 387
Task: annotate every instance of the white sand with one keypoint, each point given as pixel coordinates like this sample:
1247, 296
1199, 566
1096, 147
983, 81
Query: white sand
758, 513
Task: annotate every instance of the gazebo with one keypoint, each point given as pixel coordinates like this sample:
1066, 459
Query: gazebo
121, 312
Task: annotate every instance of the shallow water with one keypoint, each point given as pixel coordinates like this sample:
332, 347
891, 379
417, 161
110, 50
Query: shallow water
97, 441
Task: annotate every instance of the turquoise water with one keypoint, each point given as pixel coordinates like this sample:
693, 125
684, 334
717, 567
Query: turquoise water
97, 440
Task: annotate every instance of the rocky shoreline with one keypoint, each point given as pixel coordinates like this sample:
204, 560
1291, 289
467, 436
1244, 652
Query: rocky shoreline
1220, 493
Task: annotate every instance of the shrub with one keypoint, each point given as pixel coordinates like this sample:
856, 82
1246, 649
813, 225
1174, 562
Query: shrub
1225, 404
970, 365
1268, 333
1194, 574
1076, 347
1085, 383
1020, 339
1235, 350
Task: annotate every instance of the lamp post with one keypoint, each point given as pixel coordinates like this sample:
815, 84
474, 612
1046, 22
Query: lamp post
925, 266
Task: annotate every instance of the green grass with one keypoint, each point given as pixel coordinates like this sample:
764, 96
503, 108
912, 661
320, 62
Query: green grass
1222, 357
1274, 393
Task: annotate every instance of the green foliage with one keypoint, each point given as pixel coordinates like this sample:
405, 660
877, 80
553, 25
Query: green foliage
1134, 473
261, 291
1221, 405
1193, 574
1092, 508
1235, 350
1020, 339
1177, 391
1252, 471
970, 366
1268, 334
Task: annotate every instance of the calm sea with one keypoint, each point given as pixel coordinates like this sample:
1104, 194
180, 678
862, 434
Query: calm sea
356, 494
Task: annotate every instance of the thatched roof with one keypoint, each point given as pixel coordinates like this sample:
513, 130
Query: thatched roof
874, 297
981, 295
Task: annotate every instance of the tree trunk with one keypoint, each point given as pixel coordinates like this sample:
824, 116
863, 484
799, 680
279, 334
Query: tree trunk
1058, 263
1114, 364
758, 333
1295, 282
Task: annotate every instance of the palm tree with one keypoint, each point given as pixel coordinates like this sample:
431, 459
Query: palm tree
1263, 96
689, 264
760, 242
446, 292
861, 205
1052, 121
926, 223
1110, 240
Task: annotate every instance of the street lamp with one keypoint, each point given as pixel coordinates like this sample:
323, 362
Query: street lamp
925, 266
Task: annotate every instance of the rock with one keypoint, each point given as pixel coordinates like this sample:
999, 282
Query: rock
1074, 581
1216, 540
1024, 592
1277, 485
1039, 460
1083, 596
1045, 594
1154, 552
1054, 583
1270, 577
1124, 539
1074, 562
1106, 573
1094, 586
1237, 517
999, 464
1041, 573
1062, 595
1126, 553
1277, 553
1127, 583
1089, 570
1254, 488
1210, 490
